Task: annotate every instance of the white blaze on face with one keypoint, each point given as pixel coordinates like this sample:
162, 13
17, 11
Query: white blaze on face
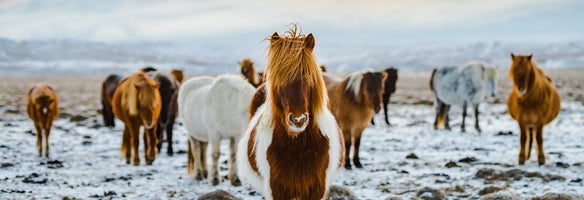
45, 110
522, 91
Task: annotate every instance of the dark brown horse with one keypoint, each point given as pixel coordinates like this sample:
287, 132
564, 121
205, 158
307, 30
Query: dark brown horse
137, 103
353, 101
292, 146
108, 87
389, 89
168, 89
42, 108
533, 102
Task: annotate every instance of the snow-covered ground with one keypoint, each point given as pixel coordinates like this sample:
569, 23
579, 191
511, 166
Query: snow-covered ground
86, 163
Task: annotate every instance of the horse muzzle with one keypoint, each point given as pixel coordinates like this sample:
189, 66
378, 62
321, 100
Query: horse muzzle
298, 124
149, 126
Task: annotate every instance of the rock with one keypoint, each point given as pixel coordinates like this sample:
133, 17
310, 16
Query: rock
394, 198
468, 160
558, 196
562, 165
341, 193
412, 156
489, 190
429, 194
218, 195
501, 195
451, 164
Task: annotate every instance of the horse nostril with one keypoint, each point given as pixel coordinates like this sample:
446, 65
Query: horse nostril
290, 118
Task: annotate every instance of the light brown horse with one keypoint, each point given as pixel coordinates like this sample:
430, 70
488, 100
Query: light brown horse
178, 75
353, 101
533, 102
248, 71
42, 108
137, 103
292, 146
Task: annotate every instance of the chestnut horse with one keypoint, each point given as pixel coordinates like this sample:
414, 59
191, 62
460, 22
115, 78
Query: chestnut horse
248, 71
389, 89
137, 103
168, 89
353, 101
533, 102
291, 148
42, 108
108, 87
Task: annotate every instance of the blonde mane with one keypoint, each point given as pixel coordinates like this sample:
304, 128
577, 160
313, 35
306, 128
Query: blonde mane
131, 97
290, 60
523, 66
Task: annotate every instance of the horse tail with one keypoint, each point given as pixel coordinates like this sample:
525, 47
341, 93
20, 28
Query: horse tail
432, 79
531, 135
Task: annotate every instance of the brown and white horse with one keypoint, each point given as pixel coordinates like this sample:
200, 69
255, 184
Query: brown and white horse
291, 148
353, 101
248, 71
533, 102
42, 108
137, 103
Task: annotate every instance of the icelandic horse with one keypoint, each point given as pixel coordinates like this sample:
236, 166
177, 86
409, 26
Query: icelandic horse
137, 103
213, 109
108, 87
42, 108
248, 71
291, 148
353, 101
533, 103
389, 89
168, 89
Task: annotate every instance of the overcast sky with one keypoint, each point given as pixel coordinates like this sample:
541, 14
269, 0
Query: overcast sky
340, 21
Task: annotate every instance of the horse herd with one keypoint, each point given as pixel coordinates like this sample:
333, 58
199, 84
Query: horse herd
292, 127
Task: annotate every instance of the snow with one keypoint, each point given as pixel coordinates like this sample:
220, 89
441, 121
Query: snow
93, 165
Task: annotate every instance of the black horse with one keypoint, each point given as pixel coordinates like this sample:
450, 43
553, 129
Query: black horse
389, 90
168, 88
108, 88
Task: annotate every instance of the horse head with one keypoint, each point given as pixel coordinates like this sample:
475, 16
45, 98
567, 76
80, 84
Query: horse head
391, 80
522, 72
248, 71
148, 99
372, 88
294, 81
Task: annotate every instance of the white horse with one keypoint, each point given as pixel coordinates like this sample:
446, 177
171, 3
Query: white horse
462, 85
213, 109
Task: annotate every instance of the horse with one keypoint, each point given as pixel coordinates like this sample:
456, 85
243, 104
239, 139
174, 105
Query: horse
168, 89
248, 71
212, 109
42, 108
467, 84
322, 67
178, 75
389, 89
533, 103
291, 148
137, 103
353, 101
108, 87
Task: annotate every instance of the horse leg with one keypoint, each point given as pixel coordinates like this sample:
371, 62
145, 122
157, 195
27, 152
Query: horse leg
204, 158
356, 159
439, 113
39, 134
150, 142
385, 108
190, 157
134, 133
169, 150
126, 144
232, 162
538, 132
215, 152
476, 114
46, 136
348, 137
373, 120
522, 143
447, 116
197, 159
530, 135
462, 126
160, 136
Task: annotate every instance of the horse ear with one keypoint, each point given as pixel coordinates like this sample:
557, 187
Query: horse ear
529, 57
512, 56
275, 37
309, 41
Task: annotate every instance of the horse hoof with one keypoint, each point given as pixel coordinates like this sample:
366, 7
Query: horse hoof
348, 167
136, 163
128, 162
521, 162
170, 153
236, 182
358, 165
199, 177
215, 181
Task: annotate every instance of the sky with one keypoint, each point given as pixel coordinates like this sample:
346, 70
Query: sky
331, 21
